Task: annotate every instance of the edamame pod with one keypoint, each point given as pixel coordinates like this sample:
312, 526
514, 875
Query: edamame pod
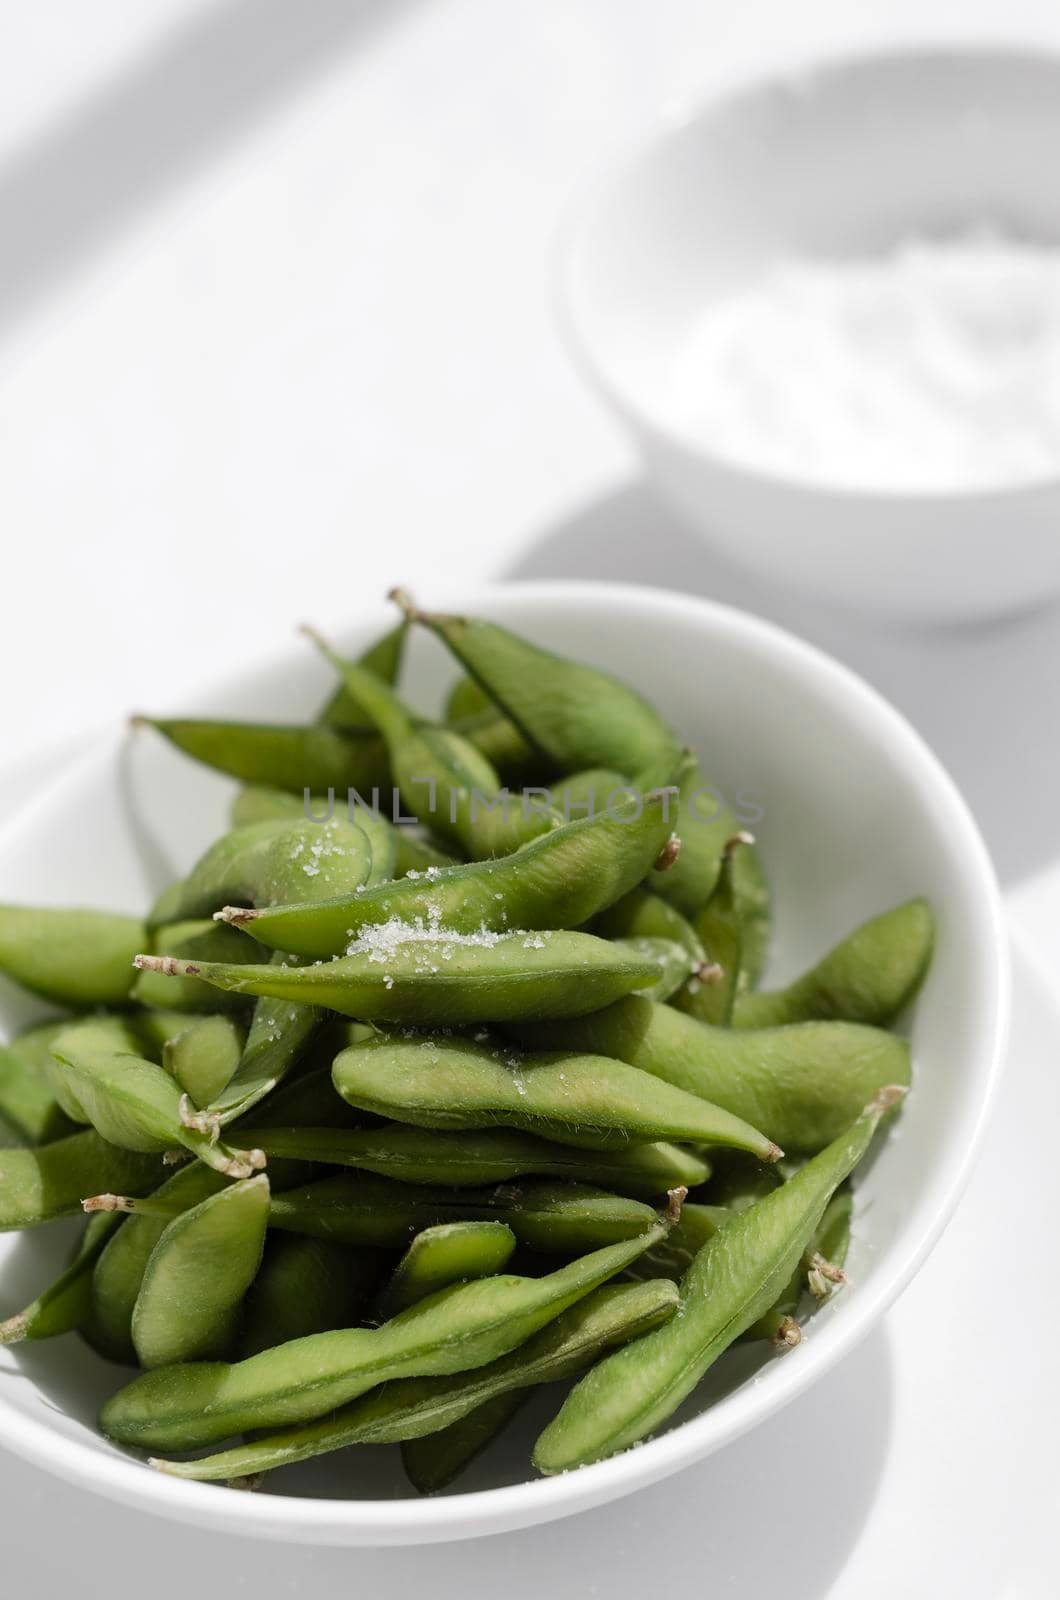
555, 1217
613, 1315
409, 1408
136, 1105
76, 958
643, 914
592, 1102
804, 1083
576, 715
119, 1272
384, 658
358, 1209
203, 1057
434, 1460
443, 779
387, 842
734, 1278
471, 711
51, 1180
27, 1103
277, 860
460, 1328
197, 1274
557, 881
450, 1252
64, 1305
287, 756
675, 965
493, 1155
194, 940
711, 994
396, 974
306, 1286
829, 1247
705, 824
870, 976
672, 1256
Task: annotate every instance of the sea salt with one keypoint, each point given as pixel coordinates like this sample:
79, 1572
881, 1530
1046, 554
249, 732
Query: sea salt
933, 368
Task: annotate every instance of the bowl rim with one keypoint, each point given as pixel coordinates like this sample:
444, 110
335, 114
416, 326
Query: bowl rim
459, 1516
805, 71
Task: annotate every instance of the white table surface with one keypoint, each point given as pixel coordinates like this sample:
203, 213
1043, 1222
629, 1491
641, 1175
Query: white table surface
274, 334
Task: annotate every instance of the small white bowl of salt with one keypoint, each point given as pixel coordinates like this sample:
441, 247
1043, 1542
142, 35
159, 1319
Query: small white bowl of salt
828, 308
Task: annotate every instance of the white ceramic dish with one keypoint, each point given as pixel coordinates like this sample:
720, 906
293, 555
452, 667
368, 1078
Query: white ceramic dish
857, 814
847, 159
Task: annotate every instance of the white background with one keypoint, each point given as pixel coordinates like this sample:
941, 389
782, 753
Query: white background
275, 334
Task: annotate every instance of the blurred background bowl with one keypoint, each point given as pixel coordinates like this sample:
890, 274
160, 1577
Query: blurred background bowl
850, 159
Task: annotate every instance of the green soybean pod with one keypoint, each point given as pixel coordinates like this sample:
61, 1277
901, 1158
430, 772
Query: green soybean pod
204, 1056
195, 939
643, 914
450, 1252
27, 1102
493, 1155
442, 777
277, 860
199, 1403
291, 756
135, 1104
394, 975
65, 1304
257, 804
576, 715
675, 965
306, 1286
736, 1277
704, 824
870, 976
410, 1408
119, 1271
593, 1102
804, 1083
614, 1315
49, 1181
821, 1267
471, 712
711, 994
559, 880
672, 1256
197, 1274
384, 659
76, 958
557, 1218
433, 1461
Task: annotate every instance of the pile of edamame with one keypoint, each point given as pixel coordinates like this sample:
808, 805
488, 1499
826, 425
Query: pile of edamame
385, 1118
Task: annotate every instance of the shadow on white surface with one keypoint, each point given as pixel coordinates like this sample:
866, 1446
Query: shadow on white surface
729, 1526
983, 696
66, 193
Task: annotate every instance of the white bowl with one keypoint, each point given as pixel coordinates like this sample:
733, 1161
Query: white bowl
857, 815
846, 160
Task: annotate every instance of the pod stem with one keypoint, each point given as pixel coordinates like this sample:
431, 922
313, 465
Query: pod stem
886, 1099
788, 1334
14, 1330
125, 1202
668, 855
205, 1122
675, 1199
171, 966
823, 1275
236, 916
407, 605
